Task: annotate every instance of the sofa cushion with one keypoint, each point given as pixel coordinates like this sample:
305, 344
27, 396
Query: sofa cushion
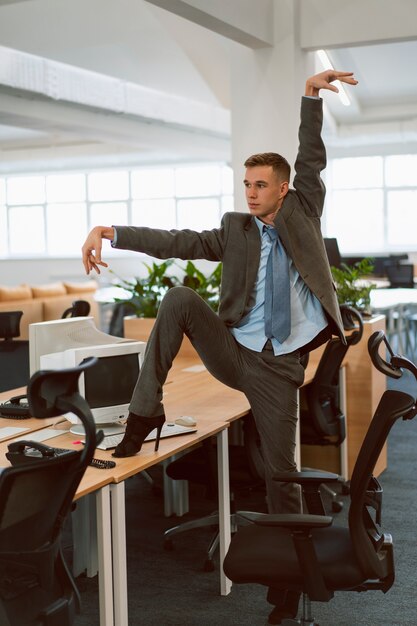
32, 312
48, 290
84, 287
20, 292
53, 308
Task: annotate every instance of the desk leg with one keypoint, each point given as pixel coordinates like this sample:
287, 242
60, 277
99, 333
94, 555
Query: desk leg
344, 468
224, 506
104, 545
117, 492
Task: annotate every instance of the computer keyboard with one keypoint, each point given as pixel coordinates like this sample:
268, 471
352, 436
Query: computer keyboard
169, 429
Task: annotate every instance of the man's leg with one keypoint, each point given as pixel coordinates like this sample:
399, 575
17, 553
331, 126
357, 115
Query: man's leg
272, 393
273, 396
182, 311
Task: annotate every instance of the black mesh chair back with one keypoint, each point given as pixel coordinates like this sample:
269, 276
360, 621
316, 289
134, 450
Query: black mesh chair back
322, 418
14, 353
10, 324
400, 274
79, 308
36, 494
309, 554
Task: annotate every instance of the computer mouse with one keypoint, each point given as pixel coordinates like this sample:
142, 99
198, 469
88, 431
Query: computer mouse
185, 420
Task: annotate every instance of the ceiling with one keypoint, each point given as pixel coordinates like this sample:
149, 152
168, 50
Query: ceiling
176, 75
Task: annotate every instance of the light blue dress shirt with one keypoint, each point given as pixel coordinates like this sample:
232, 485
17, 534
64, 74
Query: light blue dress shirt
307, 315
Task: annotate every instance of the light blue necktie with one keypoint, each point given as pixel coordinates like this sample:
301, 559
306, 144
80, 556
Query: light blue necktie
277, 290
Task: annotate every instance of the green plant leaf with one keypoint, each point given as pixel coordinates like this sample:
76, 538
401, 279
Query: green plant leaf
147, 293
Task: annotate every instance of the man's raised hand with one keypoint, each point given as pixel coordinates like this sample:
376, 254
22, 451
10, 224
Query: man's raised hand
324, 81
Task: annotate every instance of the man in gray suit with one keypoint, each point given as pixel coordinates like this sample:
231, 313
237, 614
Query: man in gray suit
277, 300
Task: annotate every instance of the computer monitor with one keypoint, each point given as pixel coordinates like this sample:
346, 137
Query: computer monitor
107, 386
333, 252
58, 335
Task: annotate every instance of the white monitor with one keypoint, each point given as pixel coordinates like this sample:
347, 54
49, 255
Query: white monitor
58, 335
107, 386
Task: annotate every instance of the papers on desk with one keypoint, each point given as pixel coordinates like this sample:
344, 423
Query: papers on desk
41, 435
10, 431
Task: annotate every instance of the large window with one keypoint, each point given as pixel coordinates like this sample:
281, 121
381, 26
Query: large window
371, 203
49, 215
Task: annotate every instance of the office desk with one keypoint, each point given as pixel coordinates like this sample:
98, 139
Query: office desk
108, 487
190, 389
30, 425
393, 303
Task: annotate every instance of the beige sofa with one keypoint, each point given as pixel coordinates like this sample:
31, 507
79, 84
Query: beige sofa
41, 303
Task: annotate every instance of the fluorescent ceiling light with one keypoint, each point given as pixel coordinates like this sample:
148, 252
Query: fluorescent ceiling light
328, 65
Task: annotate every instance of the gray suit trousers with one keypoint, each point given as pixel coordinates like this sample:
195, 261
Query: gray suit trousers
269, 382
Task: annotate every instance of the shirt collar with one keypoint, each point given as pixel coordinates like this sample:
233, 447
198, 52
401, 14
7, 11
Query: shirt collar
261, 225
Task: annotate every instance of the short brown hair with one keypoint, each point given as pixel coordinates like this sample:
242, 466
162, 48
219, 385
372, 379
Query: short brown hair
280, 165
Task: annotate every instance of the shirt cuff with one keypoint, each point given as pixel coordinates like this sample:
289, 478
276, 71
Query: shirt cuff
113, 243
313, 97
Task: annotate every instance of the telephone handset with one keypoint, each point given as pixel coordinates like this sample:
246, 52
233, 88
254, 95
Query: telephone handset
15, 408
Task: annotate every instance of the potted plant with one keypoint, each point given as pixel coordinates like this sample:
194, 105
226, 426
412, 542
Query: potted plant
353, 285
148, 292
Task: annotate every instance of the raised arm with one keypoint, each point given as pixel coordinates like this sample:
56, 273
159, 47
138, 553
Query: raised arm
311, 157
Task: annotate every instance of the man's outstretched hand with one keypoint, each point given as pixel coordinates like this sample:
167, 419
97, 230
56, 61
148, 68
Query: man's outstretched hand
324, 80
91, 249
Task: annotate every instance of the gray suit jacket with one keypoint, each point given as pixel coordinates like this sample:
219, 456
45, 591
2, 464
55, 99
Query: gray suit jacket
237, 242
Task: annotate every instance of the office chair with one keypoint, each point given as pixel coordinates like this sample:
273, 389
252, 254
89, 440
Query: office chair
79, 308
306, 553
322, 422
200, 466
400, 274
36, 494
14, 354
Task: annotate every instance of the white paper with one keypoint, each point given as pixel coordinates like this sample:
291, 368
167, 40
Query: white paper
41, 435
10, 431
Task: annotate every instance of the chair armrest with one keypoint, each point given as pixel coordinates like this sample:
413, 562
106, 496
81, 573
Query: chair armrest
295, 521
305, 477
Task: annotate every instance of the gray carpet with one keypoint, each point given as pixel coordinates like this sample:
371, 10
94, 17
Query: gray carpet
171, 589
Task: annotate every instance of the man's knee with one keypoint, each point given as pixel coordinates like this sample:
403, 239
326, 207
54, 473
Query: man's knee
179, 298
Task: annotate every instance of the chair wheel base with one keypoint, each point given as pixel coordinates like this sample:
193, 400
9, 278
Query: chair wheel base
337, 506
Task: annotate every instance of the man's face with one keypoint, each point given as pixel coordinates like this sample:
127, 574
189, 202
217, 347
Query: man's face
264, 192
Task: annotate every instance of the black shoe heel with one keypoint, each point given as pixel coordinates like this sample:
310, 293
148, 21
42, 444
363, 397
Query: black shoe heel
137, 429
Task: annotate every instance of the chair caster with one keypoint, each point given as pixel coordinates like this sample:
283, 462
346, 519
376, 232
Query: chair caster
208, 566
337, 506
168, 545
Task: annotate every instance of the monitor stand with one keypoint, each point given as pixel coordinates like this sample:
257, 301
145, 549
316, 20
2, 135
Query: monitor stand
108, 429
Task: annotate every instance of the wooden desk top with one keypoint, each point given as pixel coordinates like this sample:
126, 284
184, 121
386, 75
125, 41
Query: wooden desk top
30, 425
190, 390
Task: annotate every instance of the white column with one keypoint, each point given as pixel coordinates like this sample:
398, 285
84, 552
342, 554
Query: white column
266, 88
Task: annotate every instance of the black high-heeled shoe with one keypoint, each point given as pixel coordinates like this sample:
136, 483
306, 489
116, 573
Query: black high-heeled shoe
137, 429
